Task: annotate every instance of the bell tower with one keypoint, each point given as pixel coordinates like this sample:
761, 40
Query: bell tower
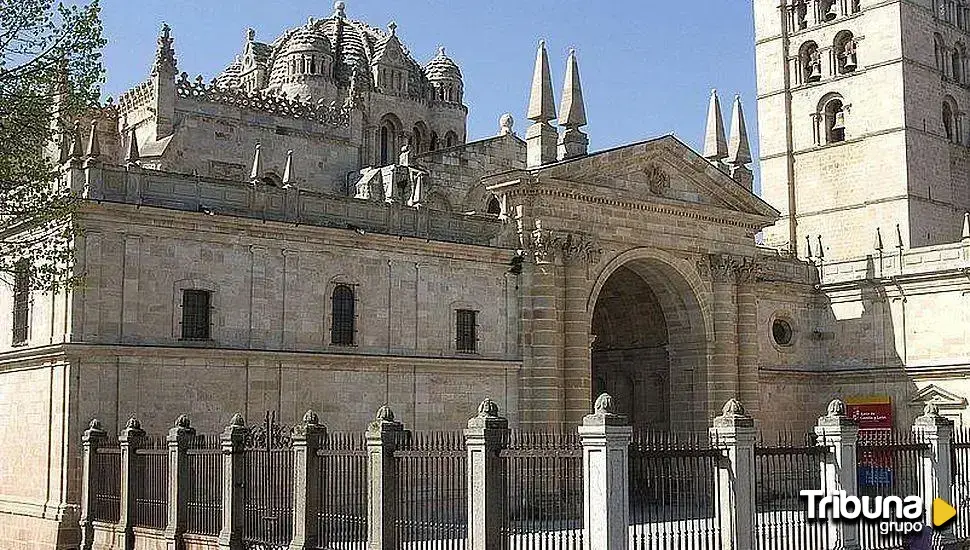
862, 129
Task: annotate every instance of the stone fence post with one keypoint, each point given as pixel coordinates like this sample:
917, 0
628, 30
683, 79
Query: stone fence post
308, 438
129, 441
937, 467
93, 438
179, 438
233, 441
383, 437
606, 440
486, 436
734, 432
839, 434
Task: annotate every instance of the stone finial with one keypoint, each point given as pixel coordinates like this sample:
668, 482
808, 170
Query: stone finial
441, 51
257, 168
604, 413
133, 424
715, 142
288, 169
506, 124
237, 421
250, 34
739, 148
966, 226
131, 153
384, 414
878, 245
94, 141
931, 420
836, 408
573, 142
931, 409
95, 424
183, 422
604, 404
542, 103
392, 28
77, 147
488, 409
404, 159
165, 62
339, 9
311, 418
733, 409
733, 417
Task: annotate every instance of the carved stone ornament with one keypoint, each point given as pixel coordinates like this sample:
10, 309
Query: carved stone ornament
577, 248
183, 422
311, 418
488, 409
384, 414
725, 268
657, 179
237, 421
604, 404
733, 409
836, 408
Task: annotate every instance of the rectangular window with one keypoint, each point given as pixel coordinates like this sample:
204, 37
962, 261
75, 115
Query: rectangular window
466, 333
196, 305
21, 303
343, 316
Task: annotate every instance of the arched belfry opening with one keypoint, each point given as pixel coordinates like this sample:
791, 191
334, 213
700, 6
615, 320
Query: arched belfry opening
648, 347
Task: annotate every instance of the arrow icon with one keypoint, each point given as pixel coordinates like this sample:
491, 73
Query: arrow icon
943, 512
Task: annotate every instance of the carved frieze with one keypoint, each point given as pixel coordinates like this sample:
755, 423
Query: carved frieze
722, 268
550, 246
657, 179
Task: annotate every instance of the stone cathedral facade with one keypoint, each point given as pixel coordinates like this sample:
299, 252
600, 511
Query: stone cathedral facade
313, 228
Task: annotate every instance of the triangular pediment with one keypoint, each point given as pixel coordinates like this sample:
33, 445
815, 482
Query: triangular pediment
662, 171
938, 396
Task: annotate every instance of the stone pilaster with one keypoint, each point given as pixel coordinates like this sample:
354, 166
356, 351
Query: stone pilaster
606, 492
129, 441
839, 434
308, 438
734, 432
722, 376
94, 437
383, 437
937, 467
179, 438
487, 434
747, 338
233, 473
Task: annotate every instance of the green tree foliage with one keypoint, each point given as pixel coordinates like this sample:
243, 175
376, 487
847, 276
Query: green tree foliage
50, 73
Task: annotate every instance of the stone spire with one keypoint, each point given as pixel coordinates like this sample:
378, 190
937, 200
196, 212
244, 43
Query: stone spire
165, 62
257, 169
739, 149
541, 137
715, 144
132, 155
572, 113
288, 169
77, 148
94, 142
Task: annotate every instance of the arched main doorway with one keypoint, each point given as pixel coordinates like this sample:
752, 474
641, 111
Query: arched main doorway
649, 347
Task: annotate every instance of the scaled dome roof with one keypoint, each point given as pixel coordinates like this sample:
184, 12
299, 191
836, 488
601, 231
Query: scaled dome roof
442, 68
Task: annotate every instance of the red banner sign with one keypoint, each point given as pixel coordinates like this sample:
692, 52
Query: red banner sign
872, 413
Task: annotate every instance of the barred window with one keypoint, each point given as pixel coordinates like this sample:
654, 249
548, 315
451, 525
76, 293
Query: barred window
466, 333
196, 308
21, 302
342, 327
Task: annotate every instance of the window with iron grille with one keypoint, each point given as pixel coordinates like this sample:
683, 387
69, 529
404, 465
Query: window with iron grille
466, 333
21, 303
342, 326
196, 309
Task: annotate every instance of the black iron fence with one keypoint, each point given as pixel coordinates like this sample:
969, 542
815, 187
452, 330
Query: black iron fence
150, 482
268, 486
432, 490
342, 520
204, 492
961, 483
544, 490
106, 484
673, 492
784, 469
889, 464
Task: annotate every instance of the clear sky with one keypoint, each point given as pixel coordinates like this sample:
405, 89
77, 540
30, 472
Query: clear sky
647, 66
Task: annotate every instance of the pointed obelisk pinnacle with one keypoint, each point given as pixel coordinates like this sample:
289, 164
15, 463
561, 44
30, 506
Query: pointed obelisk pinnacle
288, 169
541, 137
257, 169
542, 104
966, 226
94, 141
132, 155
715, 142
572, 113
739, 149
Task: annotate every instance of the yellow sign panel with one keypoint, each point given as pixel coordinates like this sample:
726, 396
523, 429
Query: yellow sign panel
943, 512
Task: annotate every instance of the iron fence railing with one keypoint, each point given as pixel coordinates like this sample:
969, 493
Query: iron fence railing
342, 520
432, 490
268, 486
889, 464
204, 492
961, 483
673, 493
150, 482
782, 471
544, 488
106, 484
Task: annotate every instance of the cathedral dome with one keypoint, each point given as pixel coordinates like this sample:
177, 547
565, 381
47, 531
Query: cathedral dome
442, 68
307, 39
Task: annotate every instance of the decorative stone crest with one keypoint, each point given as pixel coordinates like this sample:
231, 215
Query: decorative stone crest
488, 409
604, 404
836, 408
657, 179
311, 418
183, 422
133, 424
733, 409
931, 409
384, 414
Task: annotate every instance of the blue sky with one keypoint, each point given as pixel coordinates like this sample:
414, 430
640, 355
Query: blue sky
647, 66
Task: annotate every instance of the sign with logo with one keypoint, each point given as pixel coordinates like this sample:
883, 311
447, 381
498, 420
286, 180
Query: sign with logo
893, 514
871, 412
